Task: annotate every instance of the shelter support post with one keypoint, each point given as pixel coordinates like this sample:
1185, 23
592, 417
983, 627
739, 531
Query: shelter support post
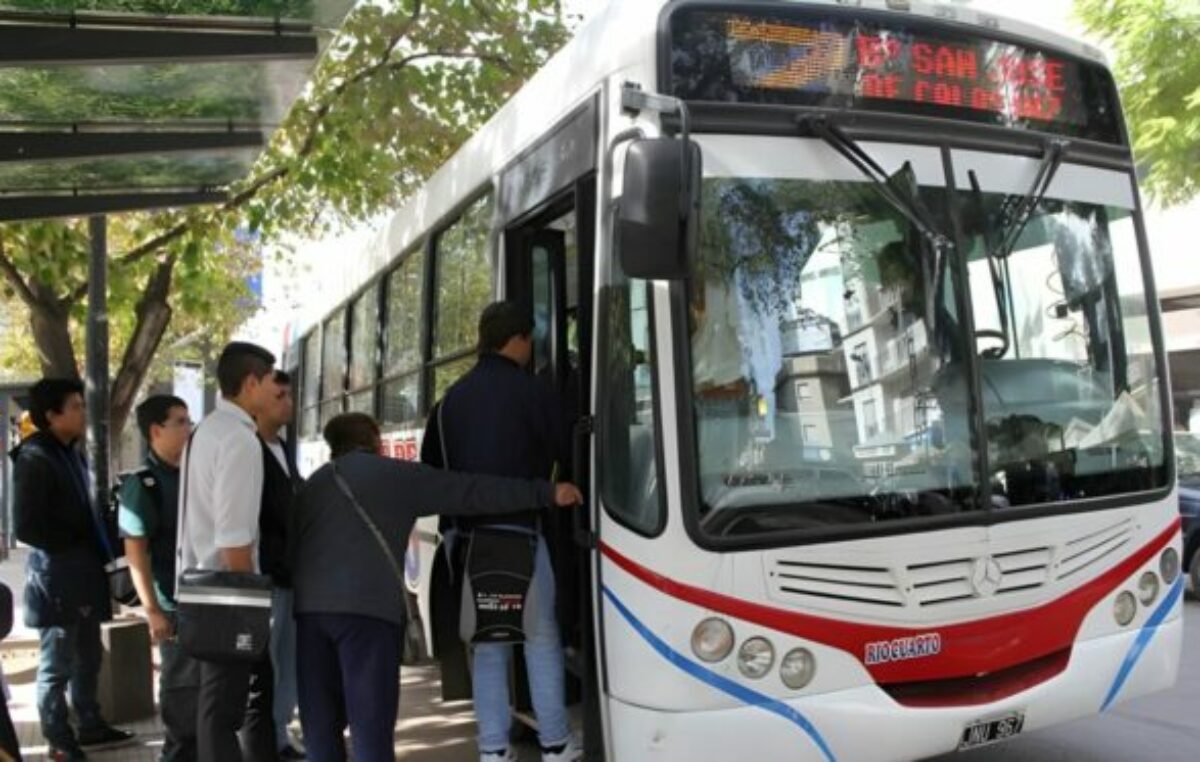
97, 357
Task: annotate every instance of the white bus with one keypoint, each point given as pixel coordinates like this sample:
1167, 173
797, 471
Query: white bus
851, 309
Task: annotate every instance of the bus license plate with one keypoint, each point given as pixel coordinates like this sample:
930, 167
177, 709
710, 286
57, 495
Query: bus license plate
985, 732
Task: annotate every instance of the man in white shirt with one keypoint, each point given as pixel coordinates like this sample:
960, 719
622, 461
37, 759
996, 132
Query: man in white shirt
222, 485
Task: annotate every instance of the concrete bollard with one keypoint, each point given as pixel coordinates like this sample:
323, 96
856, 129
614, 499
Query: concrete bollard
126, 686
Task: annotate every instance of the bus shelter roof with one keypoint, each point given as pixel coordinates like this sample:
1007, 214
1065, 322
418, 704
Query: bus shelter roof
121, 105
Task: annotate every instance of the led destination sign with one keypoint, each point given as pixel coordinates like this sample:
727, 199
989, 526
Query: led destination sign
986, 76
837, 62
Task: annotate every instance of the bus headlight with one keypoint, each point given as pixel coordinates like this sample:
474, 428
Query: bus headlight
756, 657
797, 668
1147, 588
1168, 565
1124, 608
712, 640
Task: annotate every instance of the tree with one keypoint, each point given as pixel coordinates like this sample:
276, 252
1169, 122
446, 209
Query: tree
399, 90
1157, 67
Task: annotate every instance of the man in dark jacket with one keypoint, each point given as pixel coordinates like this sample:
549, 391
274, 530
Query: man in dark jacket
499, 419
66, 591
349, 597
281, 482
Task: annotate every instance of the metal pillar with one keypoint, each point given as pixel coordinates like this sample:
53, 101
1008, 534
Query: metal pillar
97, 358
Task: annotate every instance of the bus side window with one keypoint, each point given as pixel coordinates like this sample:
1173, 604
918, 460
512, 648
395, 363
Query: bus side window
629, 480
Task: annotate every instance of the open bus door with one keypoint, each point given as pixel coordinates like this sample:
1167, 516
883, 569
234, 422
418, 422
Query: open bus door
548, 269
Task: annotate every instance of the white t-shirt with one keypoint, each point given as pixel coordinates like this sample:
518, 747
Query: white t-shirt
276, 448
222, 484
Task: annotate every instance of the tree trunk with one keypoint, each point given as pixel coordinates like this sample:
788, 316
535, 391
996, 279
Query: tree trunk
49, 319
153, 316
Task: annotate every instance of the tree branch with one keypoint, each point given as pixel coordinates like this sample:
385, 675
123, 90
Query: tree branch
13, 276
315, 118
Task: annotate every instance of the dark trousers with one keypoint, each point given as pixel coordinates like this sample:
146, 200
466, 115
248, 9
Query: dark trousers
70, 658
349, 674
8, 733
234, 720
178, 695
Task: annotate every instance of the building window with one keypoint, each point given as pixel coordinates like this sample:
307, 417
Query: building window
803, 390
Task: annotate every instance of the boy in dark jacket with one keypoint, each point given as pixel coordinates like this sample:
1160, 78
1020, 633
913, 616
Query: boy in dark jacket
66, 591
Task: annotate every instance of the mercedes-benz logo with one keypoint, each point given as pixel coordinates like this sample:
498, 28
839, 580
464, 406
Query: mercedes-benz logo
986, 576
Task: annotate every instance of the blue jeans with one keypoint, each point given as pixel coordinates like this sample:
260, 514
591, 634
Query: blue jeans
544, 667
283, 659
70, 656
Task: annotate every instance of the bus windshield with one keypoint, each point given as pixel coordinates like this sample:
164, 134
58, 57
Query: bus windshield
829, 374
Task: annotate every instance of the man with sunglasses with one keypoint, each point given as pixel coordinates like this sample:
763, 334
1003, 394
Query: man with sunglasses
149, 520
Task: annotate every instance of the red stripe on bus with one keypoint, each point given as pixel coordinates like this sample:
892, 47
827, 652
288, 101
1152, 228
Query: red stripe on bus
976, 647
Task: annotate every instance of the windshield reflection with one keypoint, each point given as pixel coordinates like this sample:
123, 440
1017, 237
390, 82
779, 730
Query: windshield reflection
829, 375
821, 321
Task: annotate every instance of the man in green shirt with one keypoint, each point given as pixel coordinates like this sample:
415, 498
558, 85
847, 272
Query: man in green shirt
149, 519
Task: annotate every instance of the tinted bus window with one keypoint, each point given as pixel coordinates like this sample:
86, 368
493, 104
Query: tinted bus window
463, 279
333, 365
402, 342
364, 350
310, 389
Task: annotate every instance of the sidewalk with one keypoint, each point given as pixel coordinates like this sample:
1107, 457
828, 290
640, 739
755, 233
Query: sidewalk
427, 731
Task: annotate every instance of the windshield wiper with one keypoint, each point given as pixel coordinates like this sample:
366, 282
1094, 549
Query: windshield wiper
883, 183
903, 199
1017, 218
1016, 213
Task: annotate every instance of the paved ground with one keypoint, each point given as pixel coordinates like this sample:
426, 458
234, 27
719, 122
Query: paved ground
429, 731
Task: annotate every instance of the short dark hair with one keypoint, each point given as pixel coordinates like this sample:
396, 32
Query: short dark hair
238, 360
155, 411
50, 395
283, 378
499, 322
348, 432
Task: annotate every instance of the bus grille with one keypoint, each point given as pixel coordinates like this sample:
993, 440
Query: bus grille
1094, 547
825, 582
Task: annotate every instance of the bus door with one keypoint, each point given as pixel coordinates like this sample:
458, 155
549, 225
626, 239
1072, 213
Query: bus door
548, 269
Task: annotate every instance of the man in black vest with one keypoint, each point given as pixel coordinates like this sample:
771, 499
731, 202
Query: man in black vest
281, 483
66, 595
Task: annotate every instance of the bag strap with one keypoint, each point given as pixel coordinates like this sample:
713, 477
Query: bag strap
442, 435
370, 524
183, 500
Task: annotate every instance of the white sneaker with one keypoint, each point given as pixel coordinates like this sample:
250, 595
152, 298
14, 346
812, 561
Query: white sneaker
508, 755
568, 752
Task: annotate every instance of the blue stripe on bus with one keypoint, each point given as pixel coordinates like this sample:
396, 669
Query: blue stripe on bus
1142, 640
720, 682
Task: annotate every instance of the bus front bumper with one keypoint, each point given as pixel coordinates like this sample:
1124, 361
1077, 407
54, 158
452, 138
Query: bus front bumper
866, 724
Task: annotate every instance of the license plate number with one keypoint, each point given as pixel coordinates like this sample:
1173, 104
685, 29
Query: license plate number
985, 732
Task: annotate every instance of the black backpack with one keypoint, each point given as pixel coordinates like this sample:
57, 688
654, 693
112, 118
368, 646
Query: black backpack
120, 577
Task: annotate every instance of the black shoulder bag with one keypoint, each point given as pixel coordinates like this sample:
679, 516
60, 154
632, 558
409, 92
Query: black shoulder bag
222, 616
497, 598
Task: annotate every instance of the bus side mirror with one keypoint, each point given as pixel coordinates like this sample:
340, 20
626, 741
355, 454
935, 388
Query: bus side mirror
657, 217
